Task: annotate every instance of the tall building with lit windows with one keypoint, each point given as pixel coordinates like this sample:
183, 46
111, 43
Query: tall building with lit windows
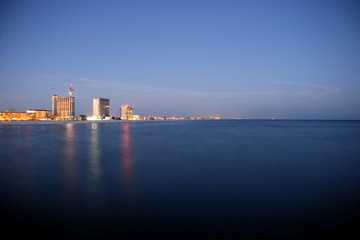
127, 112
53, 105
101, 108
63, 108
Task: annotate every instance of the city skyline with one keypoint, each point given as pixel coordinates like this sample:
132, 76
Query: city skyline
238, 59
64, 108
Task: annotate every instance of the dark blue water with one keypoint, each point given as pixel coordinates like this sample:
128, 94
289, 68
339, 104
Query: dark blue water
228, 179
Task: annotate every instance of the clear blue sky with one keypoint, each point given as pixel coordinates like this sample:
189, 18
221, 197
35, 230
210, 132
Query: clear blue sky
240, 59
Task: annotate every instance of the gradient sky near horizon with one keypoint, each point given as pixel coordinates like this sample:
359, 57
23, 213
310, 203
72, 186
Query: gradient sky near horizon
239, 59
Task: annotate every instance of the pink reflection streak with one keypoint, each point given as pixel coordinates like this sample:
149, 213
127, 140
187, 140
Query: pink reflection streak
127, 159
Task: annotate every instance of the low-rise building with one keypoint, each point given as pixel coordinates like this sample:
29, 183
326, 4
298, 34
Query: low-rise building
40, 114
15, 115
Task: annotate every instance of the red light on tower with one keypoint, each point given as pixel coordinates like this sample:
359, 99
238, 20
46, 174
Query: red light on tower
71, 90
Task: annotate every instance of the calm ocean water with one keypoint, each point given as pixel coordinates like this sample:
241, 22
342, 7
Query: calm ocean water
228, 179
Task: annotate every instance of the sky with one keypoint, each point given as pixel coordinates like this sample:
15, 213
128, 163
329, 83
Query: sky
239, 59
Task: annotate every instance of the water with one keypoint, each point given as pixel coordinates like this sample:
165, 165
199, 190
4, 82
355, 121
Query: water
181, 179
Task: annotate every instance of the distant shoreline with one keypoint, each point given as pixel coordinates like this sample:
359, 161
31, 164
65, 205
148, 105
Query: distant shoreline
5, 122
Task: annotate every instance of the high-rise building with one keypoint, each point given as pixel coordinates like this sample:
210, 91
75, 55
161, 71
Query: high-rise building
127, 112
63, 107
101, 108
53, 106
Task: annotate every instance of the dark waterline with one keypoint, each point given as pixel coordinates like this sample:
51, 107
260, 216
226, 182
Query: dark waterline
187, 179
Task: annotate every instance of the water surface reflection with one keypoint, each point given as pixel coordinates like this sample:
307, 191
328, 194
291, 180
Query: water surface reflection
127, 160
70, 154
95, 172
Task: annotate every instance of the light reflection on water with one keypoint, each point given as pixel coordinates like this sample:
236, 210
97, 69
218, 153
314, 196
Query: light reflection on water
126, 158
70, 155
95, 171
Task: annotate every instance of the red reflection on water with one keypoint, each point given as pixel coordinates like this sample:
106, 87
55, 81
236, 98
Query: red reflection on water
127, 158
